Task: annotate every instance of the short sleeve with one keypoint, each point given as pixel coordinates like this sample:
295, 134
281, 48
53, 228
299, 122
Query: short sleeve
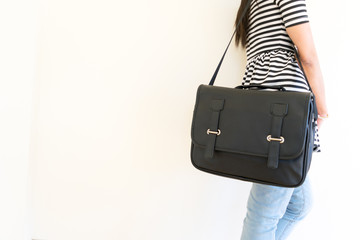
293, 12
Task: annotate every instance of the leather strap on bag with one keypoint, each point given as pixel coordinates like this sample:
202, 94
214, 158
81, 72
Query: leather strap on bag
213, 131
278, 112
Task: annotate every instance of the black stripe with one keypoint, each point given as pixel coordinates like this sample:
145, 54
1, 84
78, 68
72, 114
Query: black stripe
258, 35
277, 74
266, 27
265, 51
255, 54
264, 17
272, 46
280, 81
289, 2
299, 11
264, 11
274, 68
263, 28
269, 43
292, 19
297, 23
291, 7
258, 11
259, 6
267, 67
267, 21
273, 37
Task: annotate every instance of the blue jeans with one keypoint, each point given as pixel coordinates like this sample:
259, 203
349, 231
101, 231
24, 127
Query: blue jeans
272, 212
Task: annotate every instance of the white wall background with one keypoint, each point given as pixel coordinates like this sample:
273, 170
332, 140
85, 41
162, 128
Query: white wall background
115, 85
17, 61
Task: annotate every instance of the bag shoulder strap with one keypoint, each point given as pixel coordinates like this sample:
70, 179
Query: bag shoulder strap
212, 81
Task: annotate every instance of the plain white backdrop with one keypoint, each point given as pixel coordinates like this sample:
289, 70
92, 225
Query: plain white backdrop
96, 107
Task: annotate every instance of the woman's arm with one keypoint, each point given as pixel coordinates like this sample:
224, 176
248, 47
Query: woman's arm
302, 37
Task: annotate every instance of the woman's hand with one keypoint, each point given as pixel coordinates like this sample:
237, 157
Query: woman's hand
321, 118
319, 122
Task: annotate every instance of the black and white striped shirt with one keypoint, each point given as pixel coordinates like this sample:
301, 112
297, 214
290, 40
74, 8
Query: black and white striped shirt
268, 20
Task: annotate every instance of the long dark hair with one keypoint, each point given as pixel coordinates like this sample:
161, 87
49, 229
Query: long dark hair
240, 35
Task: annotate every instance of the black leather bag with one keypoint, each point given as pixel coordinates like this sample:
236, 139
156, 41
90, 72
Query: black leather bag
253, 135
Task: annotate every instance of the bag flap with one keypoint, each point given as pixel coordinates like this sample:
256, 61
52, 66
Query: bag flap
245, 120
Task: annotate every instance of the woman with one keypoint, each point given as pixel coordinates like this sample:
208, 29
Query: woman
269, 31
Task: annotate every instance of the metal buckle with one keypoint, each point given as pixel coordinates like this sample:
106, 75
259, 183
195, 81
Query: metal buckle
281, 139
212, 132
